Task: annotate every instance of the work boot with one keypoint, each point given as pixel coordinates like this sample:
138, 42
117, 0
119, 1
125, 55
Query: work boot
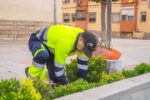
28, 76
26, 71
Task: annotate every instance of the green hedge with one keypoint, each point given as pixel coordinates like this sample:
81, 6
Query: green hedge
77, 86
14, 90
111, 77
29, 90
96, 66
43, 88
71, 71
138, 70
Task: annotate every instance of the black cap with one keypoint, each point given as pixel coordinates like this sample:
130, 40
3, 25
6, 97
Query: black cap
90, 43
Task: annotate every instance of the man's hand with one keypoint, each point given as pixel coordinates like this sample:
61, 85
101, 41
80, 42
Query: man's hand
52, 84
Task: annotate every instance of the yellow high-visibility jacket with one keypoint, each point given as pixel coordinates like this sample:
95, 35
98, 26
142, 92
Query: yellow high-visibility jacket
61, 41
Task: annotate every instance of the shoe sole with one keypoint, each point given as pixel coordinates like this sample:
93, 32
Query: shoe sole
26, 71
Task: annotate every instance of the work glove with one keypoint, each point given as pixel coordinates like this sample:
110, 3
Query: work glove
62, 80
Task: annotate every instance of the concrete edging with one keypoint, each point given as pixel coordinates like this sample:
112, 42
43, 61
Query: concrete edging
136, 88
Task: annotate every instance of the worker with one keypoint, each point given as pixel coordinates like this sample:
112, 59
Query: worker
52, 45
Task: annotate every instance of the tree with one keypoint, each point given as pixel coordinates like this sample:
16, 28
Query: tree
109, 32
105, 37
103, 26
55, 18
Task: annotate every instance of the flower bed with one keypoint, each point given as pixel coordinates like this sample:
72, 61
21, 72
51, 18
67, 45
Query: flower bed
29, 90
105, 50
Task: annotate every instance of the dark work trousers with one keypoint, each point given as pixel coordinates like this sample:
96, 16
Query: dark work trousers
43, 57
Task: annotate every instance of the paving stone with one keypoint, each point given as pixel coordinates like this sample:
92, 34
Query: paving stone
15, 56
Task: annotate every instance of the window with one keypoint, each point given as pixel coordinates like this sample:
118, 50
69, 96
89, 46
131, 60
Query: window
127, 14
143, 16
115, 17
130, 18
92, 17
124, 17
80, 14
73, 17
79, 2
66, 17
67, 1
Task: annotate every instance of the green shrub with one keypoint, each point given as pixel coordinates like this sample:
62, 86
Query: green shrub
77, 86
129, 73
142, 68
138, 70
96, 66
7, 86
43, 88
71, 70
111, 77
28, 91
14, 90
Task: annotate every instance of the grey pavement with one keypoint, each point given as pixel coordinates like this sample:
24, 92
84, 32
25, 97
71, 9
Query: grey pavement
133, 51
15, 56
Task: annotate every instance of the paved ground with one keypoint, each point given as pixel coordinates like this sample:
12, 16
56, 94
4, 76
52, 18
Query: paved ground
14, 57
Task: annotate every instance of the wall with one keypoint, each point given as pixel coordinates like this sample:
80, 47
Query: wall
19, 30
136, 88
71, 9
116, 9
96, 26
83, 6
94, 7
129, 26
19, 18
123, 26
30, 10
143, 26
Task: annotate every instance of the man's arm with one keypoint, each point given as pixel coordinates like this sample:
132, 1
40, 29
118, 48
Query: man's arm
82, 65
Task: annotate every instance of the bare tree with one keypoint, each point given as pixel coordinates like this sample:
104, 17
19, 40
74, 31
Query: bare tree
109, 22
106, 36
55, 19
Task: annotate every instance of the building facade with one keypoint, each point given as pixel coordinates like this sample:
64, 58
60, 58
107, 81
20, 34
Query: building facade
128, 16
20, 18
143, 17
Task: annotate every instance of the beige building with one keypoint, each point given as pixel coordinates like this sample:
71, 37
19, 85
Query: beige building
68, 11
19, 18
96, 8
143, 16
137, 21
94, 15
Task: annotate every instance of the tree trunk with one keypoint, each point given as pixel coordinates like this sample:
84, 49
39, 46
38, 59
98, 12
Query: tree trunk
109, 34
103, 28
55, 18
